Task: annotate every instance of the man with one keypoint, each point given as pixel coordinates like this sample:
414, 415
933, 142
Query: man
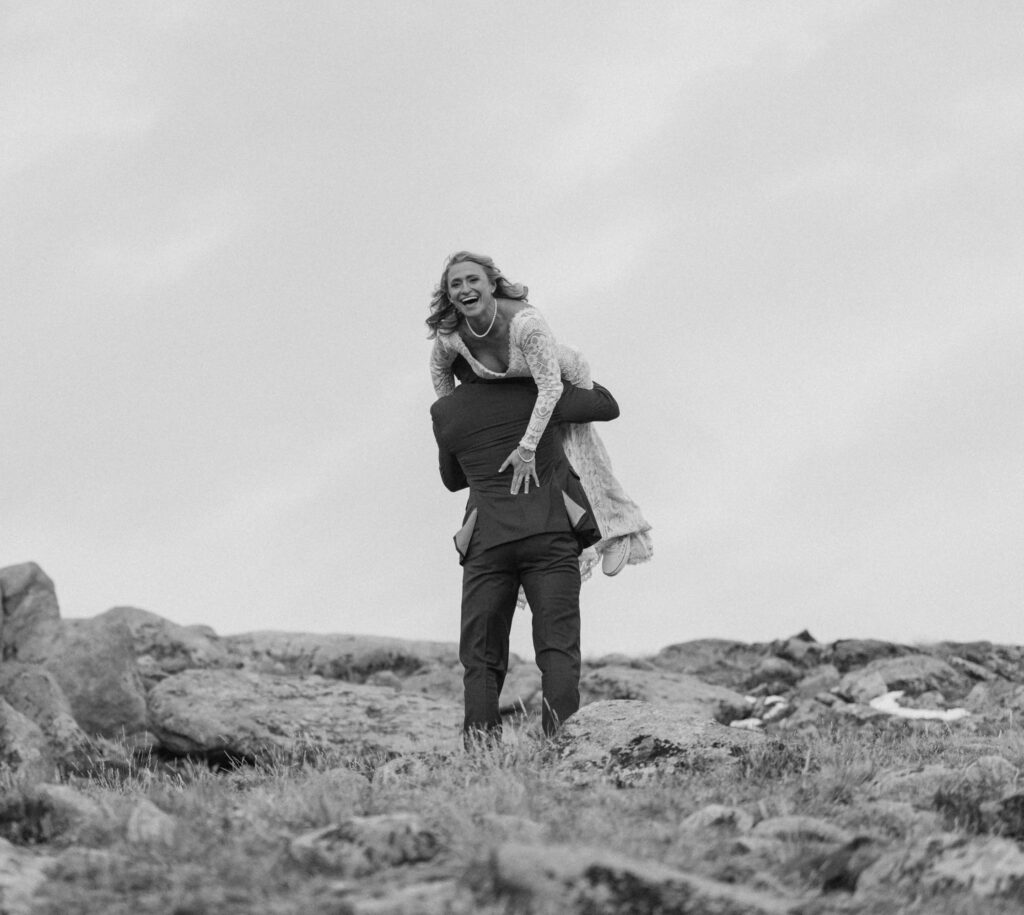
532, 538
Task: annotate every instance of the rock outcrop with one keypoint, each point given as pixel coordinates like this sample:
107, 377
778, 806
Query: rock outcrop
243, 715
93, 660
21, 875
31, 617
129, 671
360, 846
162, 648
680, 690
338, 657
372, 715
24, 750
580, 879
629, 741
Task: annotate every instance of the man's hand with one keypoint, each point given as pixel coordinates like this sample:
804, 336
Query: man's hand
522, 471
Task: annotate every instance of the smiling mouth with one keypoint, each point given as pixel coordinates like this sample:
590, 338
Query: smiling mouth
469, 300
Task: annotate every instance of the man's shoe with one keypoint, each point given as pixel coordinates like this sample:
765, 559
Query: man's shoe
615, 557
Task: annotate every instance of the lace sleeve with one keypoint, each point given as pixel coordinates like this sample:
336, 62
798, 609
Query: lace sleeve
441, 359
574, 367
534, 338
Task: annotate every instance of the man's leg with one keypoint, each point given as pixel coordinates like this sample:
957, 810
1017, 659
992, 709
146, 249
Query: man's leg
549, 565
490, 585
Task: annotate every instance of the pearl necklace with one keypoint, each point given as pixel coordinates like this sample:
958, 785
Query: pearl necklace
494, 318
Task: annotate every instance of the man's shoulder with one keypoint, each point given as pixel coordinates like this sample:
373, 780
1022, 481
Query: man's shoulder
437, 408
445, 410
445, 402
486, 395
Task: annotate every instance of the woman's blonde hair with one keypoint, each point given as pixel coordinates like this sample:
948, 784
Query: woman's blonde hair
443, 316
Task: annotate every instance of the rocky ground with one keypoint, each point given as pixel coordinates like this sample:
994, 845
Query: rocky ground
84, 700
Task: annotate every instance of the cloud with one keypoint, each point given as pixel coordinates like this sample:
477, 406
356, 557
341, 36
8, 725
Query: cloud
67, 81
573, 274
226, 222
41, 120
134, 266
629, 94
874, 181
976, 124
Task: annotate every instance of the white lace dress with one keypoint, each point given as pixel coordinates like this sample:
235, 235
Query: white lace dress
533, 351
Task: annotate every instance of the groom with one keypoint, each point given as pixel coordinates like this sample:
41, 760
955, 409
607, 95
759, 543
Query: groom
532, 539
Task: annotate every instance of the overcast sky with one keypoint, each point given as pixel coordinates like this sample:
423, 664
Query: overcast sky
788, 236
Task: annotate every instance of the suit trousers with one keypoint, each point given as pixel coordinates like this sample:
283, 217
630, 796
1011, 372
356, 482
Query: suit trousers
547, 567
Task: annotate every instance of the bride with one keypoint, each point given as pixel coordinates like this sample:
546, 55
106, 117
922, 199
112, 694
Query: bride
477, 313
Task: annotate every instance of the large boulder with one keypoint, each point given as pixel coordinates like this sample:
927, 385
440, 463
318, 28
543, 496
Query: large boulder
803, 649
915, 674
995, 700
22, 875
562, 878
774, 674
338, 657
93, 660
34, 692
629, 740
31, 617
24, 749
918, 785
718, 817
817, 680
846, 654
684, 691
718, 661
245, 715
47, 812
441, 682
363, 845
983, 660
989, 867
521, 689
163, 648
861, 685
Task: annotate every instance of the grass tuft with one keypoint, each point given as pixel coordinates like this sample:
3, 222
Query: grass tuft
234, 823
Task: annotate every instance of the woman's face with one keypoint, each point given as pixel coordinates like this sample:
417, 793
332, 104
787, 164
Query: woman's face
470, 290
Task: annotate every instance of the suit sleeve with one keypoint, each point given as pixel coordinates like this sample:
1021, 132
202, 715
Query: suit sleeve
451, 471
579, 405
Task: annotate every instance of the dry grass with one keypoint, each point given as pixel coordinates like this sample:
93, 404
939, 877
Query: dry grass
230, 851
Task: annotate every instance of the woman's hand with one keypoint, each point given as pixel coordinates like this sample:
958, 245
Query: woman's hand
522, 471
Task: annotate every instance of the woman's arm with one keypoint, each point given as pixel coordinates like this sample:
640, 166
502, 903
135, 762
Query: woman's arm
533, 336
441, 375
530, 333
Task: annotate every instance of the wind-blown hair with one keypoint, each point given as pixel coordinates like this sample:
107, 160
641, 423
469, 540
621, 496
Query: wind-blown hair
444, 317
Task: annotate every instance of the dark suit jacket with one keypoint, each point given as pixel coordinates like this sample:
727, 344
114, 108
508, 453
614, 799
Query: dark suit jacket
478, 425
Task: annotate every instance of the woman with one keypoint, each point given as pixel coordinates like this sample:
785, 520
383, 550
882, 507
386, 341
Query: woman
479, 314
